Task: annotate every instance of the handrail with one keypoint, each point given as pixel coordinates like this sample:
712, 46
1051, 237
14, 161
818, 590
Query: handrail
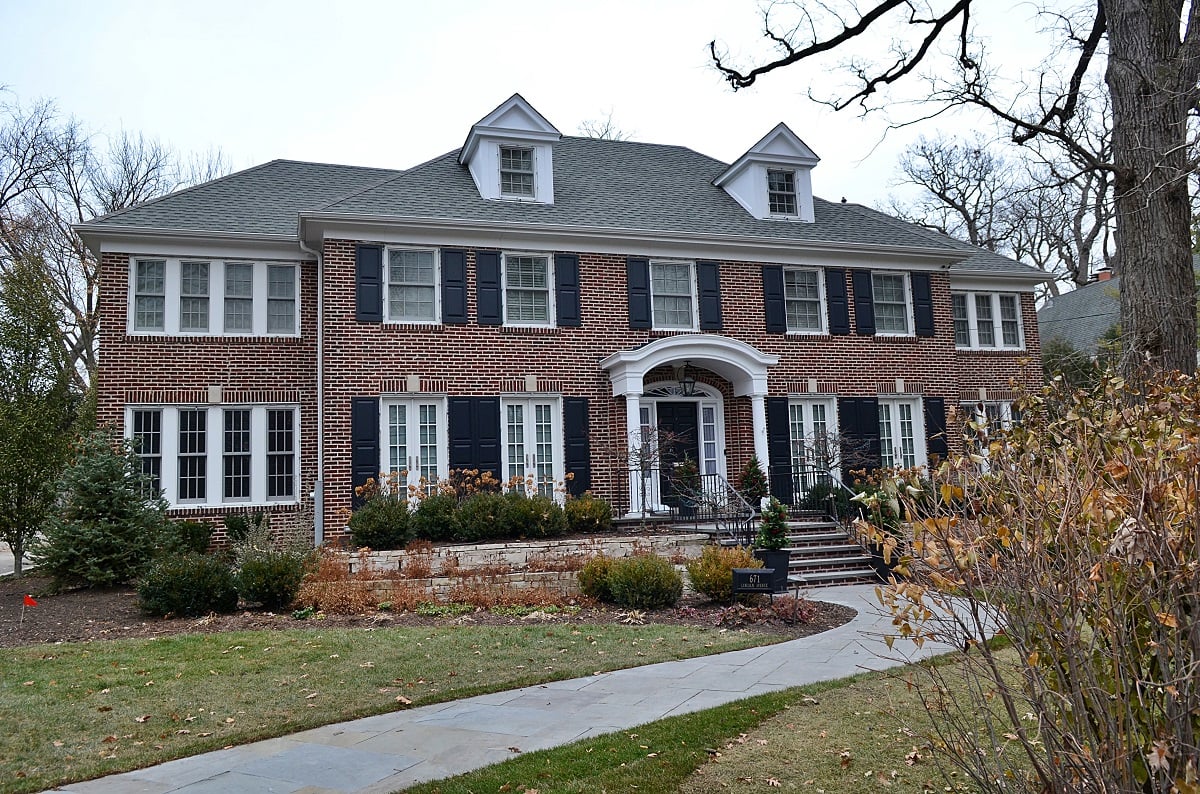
690, 497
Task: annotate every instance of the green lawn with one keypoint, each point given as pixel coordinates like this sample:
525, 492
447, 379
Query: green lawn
77, 711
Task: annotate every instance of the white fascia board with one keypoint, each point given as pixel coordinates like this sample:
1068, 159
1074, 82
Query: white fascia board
443, 232
997, 282
175, 242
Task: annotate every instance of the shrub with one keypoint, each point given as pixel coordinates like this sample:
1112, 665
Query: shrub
436, 518
534, 516
645, 581
107, 526
238, 525
186, 585
381, 523
587, 515
593, 578
272, 578
481, 516
773, 533
753, 482
188, 536
711, 573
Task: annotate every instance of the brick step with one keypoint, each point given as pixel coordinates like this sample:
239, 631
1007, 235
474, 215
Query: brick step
827, 550
810, 539
846, 576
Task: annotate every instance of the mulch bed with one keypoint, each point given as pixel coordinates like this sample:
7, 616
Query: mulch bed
113, 613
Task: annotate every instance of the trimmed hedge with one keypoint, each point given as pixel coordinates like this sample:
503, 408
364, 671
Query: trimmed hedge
187, 585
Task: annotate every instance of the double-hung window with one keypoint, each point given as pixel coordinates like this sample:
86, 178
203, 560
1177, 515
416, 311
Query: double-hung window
988, 320
149, 301
527, 299
802, 301
516, 171
217, 455
901, 433
201, 297
781, 192
412, 286
893, 308
673, 295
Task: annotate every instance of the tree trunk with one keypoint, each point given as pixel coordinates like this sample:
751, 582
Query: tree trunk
1150, 88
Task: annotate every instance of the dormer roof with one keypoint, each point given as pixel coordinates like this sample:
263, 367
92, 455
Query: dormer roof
786, 196
779, 147
514, 123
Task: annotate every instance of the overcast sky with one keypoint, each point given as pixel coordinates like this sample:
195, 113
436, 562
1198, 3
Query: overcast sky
393, 84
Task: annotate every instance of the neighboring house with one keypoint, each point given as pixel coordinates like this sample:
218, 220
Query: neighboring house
535, 305
1082, 316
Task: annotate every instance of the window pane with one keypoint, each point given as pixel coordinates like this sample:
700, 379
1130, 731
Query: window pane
239, 298
802, 300
193, 296
671, 294
527, 293
887, 443
398, 438
411, 303
1010, 324
281, 303
147, 439
516, 440
237, 453
962, 324
983, 321
516, 171
781, 192
281, 454
428, 436
891, 303
149, 313
193, 454
149, 304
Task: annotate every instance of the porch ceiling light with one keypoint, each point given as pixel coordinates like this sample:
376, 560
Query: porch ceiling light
687, 379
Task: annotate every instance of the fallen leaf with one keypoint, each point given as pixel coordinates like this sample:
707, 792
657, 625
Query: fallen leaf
57, 743
143, 718
403, 700
514, 749
311, 695
109, 739
773, 782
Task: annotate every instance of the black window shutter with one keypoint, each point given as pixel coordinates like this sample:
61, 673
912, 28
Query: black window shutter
473, 431
577, 446
864, 303
922, 304
858, 424
935, 427
364, 442
637, 273
779, 449
708, 283
836, 301
487, 288
454, 286
566, 290
773, 303
368, 284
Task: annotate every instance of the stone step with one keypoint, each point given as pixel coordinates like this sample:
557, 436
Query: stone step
849, 550
844, 576
811, 539
836, 561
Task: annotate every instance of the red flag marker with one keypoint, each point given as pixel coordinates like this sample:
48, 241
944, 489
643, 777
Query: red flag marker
29, 601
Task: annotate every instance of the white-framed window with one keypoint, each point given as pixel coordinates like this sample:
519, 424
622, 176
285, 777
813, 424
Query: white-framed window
531, 437
213, 297
149, 295
987, 320
804, 301
516, 172
893, 304
215, 455
901, 432
781, 192
412, 281
414, 441
811, 426
673, 295
528, 297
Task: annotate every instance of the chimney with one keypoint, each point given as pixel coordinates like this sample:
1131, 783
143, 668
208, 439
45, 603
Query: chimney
1103, 274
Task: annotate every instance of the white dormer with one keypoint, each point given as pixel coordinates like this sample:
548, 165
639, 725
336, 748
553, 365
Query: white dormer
510, 153
774, 179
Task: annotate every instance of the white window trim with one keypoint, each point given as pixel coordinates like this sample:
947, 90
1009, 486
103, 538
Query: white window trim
551, 308
172, 288
412, 401
822, 311
831, 424
920, 453
558, 462
908, 303
215, 453
795, 192
694, 295
387, 285
533, 150
997, 322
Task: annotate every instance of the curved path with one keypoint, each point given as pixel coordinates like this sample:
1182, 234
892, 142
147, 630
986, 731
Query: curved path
388, 752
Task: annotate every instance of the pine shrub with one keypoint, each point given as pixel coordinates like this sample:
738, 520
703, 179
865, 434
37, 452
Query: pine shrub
187, 585
645, 581
711, 573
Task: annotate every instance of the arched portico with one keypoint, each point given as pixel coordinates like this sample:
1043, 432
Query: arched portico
741, 364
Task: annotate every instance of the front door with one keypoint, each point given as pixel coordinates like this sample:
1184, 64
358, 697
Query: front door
678, 440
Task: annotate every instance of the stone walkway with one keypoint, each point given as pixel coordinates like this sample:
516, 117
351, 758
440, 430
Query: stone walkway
388, 752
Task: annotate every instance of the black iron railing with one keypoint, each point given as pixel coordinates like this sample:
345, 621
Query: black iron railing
689, 497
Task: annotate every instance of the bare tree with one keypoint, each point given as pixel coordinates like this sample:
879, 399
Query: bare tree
53, 174
604, 129
1149, 54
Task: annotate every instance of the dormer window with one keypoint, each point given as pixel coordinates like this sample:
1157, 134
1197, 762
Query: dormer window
781, 192
516, 171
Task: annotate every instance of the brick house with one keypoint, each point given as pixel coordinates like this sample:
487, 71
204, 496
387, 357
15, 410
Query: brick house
534, 304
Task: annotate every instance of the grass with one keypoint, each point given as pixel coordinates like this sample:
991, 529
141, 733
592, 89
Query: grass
860, 734
76, 711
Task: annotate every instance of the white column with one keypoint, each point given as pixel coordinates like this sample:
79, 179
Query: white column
758, 420
633, 437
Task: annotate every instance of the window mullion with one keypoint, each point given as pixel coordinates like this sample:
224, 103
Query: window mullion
258, 453
170, 455
214, 445
259, 301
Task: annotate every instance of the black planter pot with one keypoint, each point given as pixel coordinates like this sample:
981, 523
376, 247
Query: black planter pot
778, 560
883, 569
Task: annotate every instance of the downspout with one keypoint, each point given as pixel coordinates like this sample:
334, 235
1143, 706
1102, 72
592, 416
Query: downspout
318, 493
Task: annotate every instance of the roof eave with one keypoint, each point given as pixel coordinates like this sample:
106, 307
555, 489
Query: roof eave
94, 235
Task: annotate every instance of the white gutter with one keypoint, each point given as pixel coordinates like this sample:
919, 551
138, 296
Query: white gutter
318, 486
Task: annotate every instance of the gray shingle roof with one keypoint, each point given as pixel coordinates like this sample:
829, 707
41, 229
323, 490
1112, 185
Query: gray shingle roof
598, 184
264, 199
